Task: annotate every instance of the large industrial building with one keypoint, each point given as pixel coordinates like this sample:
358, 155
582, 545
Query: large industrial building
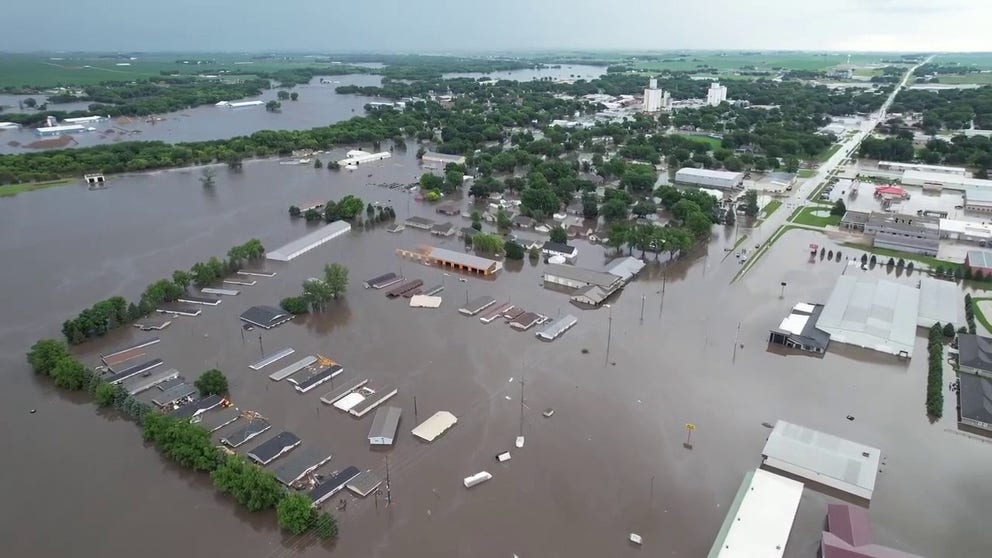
978, 198
442, 159
874, 314
975, 402
760, 518
309, 241
936, 169
716, 94
822, 459
655, 99
706, 178
939, 180
918, 234
975, 355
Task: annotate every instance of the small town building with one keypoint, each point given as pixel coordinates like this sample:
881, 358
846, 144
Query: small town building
300, 464
435, 426
121, 373
46, 131
563, 250
385, 423
872, 313
477, 305
459, 261
332, 485
364, 484
940, 301
975, 401
449, 209
966, 231
218, 418
357, 157
579, 277
916, 234
854, 221
798, 330
978, 199
760, 518
891, 192
557, 328
136, 385
979, 260
443, 229
782, 179
467, 232
309, 241
848, 534
941, 180
442, 159
523, 222
246, 432
420, 223
276, 446
265, 317
197, 408
823, 459
625, 268
975, 355
902, 167
706, 178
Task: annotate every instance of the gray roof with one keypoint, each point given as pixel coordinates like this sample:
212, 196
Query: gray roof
246, 432
319, 236
975, 351
558, 248
589, 276
478, 303
781, 177
939, 302
215, 420
442, 227
469, 260
916, 224
976, 398
875, 314
420, 221
626, 268
385, 423
173, 394
198, 407
977, 194
364, 483
301, 463
265, 316
810, 336
558, 327
980, 258
591, 294
855, 217
275, 446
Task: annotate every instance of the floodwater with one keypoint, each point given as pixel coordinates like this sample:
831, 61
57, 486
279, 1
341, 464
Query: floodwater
564, 72
318, 105
609, 462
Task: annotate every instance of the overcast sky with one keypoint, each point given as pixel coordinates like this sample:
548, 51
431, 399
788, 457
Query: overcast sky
476, 25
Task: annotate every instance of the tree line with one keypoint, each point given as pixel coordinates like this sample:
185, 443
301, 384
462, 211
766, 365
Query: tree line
935, 374
114, 312
186, 444
318, 292
950, 109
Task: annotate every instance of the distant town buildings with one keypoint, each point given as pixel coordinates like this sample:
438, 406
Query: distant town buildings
656, 99
917, 234
716, 94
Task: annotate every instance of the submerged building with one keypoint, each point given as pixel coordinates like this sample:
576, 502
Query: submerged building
798, 330
706, 178
874, 314
760, 518
309, 241
848, 535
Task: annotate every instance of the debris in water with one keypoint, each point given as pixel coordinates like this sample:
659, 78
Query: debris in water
548, 412
33, 411
636, 539
505, 456
520, 441
850, 417
768, 425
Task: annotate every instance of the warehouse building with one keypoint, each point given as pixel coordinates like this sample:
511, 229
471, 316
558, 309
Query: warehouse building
917, 234
822, 459
940, 301
855, 221
309, 241
975, 355
979, 260
798, 330
848, 535
760, 518
939, 169
442, 159
978, 199
46, 131
459, 261
873, 314
975, 402
706, 178
384, 425
942, 180
265, 317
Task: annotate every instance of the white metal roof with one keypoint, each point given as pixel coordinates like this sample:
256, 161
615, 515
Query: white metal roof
760, 525
424, 301
874, 314
433, 427
804, 307
979, 230
794, 323
709, 173
823, 458
911, 176
308, 241
349, 401
939, 302
980, 194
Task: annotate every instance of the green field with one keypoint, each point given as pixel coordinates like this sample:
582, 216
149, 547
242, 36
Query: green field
829, 152
980, 59
36, 70
770, 208
805, 173
983, 78
758, 61
14, 189
931, 263
806, 217
713, 143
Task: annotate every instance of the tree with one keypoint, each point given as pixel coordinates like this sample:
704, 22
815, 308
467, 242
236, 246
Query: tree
296, 513
105, 394
791, 164
252, 486
534, 254
326, 526
614, 210
207, 177
45, 354
294, 211
430, 181
317, 293
369, 210
317, 163
698, 224
453, 180
540, 199
30, 102
839, 208
590, 205
487, 243
948, 329
503, 220
559, 235
70, 374
639, 178
295, 305
282, 95
211, 382
234, 162
643, 208
273, 106
294, 96
514, 250
751, 203
336, 277
182, 279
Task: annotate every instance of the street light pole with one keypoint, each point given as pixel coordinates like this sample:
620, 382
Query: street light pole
782, 294
609, 335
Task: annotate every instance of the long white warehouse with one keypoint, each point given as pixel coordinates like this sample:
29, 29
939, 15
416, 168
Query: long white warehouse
723, 180
310, 241
357, 157
760, 518
239, 104
940, 180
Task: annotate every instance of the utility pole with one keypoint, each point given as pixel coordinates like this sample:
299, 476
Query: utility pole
643, 298
609, 336
415, 410
522, 406
388, 492
262, 350
782, 294
736, 342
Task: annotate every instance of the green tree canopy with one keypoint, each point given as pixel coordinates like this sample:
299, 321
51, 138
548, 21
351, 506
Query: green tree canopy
211, 382
296, 513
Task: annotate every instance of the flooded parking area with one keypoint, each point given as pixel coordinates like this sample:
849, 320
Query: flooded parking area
678, 345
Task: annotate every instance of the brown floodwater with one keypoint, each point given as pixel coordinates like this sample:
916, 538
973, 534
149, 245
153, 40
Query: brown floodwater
609, 462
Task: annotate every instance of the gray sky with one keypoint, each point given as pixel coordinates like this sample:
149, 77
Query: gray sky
475, 25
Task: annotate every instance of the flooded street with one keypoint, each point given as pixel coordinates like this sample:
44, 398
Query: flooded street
318, 105
609, 462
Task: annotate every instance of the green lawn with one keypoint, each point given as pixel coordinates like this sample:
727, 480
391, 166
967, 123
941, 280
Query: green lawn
688, 61
829, 152
979, 315
806, 173
770, 208
980, 59
806, 216
14, 189
931, 263
983, 79
712, 143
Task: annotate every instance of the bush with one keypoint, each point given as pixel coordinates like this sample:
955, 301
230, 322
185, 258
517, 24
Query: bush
935, 376
514, 251
104, 394
295, 513
211, 382
948, 329
295, 305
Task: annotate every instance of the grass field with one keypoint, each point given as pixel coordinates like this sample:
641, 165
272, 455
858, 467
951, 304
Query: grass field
35, 70
805, 173
931, 263
760, 61
829, 152
982, 79
14, 189
713, 143
980, 59
806, 216
770, 208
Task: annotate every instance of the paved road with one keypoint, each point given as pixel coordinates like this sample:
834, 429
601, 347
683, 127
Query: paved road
763, 233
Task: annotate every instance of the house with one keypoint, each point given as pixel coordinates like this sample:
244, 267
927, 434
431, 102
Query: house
265, 317
449, 209
523, 222
467, 232
443, 229
578, 231
420, 223
563, 250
